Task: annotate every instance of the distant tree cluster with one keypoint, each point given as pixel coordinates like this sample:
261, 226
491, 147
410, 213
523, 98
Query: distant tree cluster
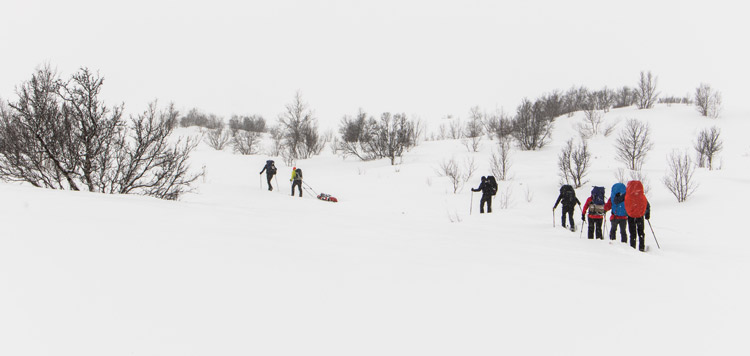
675, 100
195, 117
367, 138
58, 134
252, 123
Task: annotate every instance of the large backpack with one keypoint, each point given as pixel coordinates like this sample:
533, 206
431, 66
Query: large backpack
618, 209
493, 184
568, 195
271, 167
635, 199
597, 201
299, 174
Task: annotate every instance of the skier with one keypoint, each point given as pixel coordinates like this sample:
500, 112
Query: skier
568, 198
619, 217
296, 180
270, 170
637, 207
488, 188
595, 208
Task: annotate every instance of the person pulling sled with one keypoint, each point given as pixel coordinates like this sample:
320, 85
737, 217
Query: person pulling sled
296, 180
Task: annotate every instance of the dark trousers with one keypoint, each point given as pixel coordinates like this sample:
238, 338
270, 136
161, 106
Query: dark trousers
596, 224
622, 224
569, 211
635, 225
297, 183
268, 177
486, 199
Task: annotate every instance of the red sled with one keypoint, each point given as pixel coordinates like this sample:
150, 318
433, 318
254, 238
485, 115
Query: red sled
327, 197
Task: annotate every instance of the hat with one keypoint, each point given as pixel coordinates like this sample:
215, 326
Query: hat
294, 167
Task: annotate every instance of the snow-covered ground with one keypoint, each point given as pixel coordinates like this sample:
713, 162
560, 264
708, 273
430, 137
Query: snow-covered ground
397, 267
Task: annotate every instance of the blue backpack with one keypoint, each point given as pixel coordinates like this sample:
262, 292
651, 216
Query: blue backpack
618, 204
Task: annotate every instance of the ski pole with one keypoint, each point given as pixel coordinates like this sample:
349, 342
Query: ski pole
580, 236
471, 205
652, 233
276, 179
553, 217
260, 181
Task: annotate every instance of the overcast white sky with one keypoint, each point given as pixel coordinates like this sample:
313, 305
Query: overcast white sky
426, 58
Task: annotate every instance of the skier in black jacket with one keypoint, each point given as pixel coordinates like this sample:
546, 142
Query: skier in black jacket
486, 190
569, 201
270, 169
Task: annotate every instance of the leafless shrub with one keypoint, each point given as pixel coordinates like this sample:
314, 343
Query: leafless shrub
624, 97
499, 125
454, 217
277, 141
60, 135
369, 139
500, 161
679, 176
593, 120
605, 99
531, 127
218, 138
708, 101
645, 93
707, 146
246, 142
300, 130
504, 198
610, 128
633, 144
455, 128
417, 132
474, 130
529, 194
573, 163
457, 176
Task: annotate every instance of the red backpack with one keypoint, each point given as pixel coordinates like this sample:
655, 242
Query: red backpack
635, 200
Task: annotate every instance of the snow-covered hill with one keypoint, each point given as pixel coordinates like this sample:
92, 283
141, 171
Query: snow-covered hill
397, 267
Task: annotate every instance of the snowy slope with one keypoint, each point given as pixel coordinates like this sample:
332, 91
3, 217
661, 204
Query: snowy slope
397, 267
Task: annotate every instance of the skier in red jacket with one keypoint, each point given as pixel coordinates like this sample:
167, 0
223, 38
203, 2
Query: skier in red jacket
595, 212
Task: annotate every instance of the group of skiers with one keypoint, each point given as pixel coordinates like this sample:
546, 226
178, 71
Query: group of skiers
296, 179
628, 204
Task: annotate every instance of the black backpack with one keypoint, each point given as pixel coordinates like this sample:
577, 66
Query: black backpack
299, 173
492, 183
568, 195
271, 167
